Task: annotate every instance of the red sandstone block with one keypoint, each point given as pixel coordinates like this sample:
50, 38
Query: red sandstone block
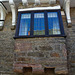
64, 18
73, 21
28, 65
73, 61
36, 66
23, 46
64, 51
20, 65
23, 59
38, 70
21, 53
18, 70
55, 55
61, 70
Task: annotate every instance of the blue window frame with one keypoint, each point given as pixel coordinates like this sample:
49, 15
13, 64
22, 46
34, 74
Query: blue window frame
39, 24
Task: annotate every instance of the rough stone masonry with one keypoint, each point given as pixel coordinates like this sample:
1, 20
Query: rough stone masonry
37, 56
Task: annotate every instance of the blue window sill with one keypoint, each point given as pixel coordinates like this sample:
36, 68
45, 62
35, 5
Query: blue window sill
18, 37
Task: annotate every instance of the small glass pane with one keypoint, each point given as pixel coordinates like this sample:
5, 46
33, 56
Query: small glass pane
25, 24
39, 27
53, 23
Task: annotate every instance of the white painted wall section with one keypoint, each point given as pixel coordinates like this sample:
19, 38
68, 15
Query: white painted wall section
37, 2
13, 9
3, 12
52, 1
67, 10
25, 2
41, 8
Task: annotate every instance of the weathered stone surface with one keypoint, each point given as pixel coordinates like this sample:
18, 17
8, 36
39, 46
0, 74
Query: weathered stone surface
48, 52
69, 25
55, 55
13, 27
23, 46
61, 70
6, 48
46, 48
71, 44
1, 27
36, 54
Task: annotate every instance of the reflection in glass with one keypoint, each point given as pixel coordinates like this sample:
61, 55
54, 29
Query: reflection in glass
25, 24
39, 27
53, 23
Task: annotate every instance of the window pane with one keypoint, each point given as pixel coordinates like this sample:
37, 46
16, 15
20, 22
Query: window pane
39, 27
53, 23
25, 24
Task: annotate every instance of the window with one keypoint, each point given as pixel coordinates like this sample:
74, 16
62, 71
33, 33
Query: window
39, 23
25, 24
53, 23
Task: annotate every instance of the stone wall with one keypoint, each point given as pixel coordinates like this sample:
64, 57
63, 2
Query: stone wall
37, 52
40, 53
6, 47
70, 40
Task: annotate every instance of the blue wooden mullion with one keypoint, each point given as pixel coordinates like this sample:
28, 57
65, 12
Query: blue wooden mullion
46, 23
32, 24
